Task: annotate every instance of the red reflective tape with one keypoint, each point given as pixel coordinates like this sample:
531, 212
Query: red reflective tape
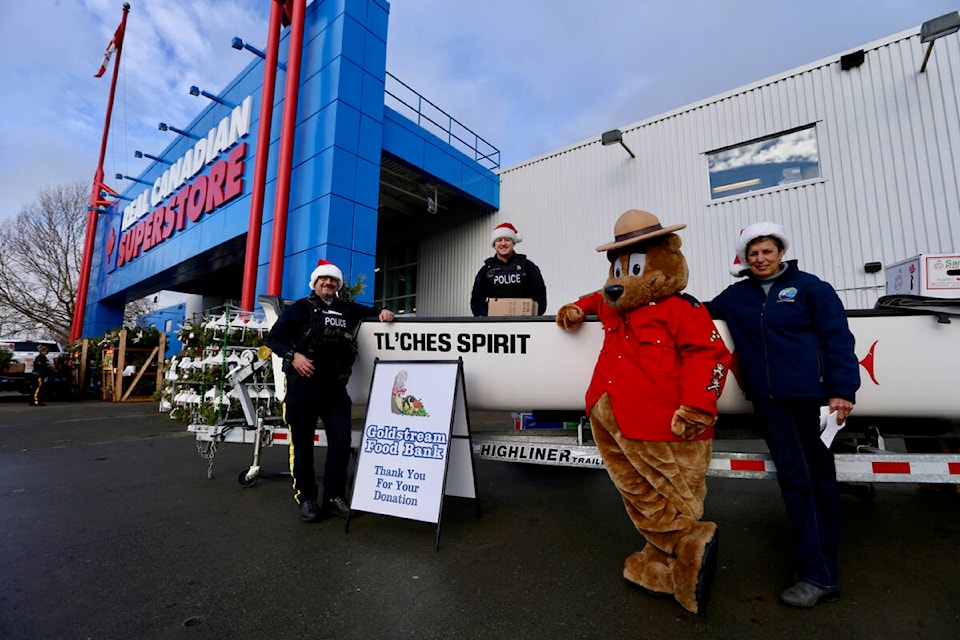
279, 435
891, 467
316, 437
747, 465
954, 468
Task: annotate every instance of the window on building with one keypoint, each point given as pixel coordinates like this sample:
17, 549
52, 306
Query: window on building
396, 278
773, 161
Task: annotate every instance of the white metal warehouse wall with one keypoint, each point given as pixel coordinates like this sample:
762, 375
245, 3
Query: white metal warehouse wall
889, 145
451, 253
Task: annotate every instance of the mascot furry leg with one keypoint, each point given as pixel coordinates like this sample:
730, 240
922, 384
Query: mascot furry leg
663, 485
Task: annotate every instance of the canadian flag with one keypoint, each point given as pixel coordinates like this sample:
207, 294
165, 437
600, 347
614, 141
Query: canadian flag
114, 45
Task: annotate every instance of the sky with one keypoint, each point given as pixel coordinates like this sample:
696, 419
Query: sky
528, 76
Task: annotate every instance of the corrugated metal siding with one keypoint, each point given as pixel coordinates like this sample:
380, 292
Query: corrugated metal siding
451, 253
889, 142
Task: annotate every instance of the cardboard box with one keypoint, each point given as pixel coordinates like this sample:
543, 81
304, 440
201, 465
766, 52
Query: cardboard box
15, 367
932, 275
511, 307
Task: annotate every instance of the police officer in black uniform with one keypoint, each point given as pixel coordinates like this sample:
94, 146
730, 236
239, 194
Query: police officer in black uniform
507, 274
316, 336
41, 369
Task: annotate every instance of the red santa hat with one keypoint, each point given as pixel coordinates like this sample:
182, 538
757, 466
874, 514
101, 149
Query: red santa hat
325, 268
505, 230
748, 235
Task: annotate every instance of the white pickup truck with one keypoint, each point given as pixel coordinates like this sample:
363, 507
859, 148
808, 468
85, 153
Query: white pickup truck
16, 376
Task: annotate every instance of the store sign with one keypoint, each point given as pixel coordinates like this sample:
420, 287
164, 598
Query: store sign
167, 206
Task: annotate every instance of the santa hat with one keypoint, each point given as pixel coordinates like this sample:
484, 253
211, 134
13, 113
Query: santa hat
748, 235
505, 230
325, 268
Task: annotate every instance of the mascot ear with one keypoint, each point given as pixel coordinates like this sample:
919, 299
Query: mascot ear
674, 242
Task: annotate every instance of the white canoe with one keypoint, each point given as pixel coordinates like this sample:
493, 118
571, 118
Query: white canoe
910, 362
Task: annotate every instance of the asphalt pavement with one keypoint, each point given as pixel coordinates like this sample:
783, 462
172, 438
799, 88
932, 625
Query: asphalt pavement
111, 529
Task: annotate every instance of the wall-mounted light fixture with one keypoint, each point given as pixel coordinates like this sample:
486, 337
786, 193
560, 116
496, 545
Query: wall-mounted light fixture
240, 45
937, 28
163, 126
872, 267
104, 194
141, 154
613, 137
852, 60
197, 91
121, 176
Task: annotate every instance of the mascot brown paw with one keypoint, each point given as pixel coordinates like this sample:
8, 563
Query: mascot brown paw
570, 317
695, 565
690, 422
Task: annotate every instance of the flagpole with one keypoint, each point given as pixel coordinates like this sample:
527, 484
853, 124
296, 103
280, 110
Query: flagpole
96, 201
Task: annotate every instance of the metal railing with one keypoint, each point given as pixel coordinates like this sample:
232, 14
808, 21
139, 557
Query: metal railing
432, 118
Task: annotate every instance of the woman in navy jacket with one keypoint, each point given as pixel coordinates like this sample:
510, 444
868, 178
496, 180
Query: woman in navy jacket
795, 354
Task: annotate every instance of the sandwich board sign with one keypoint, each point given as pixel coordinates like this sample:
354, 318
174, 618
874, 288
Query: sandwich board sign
416, 445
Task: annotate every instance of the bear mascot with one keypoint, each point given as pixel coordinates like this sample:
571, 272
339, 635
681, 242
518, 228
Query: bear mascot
652, 403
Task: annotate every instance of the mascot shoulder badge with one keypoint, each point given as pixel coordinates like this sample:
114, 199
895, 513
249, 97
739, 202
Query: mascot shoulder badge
652, 404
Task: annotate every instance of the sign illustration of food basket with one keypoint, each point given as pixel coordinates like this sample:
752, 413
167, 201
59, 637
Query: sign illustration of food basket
416, 445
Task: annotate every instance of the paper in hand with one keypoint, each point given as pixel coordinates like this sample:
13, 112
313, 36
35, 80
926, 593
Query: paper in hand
829, 427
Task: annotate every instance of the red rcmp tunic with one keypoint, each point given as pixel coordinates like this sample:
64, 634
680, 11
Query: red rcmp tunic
654, 359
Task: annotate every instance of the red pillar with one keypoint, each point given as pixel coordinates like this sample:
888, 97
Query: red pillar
287, 134
252, 255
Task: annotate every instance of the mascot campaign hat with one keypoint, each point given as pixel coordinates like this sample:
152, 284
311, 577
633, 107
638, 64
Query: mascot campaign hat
505, 230
325, 268
751, 233
635, 226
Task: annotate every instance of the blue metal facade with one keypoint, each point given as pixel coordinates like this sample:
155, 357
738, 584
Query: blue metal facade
407, 141
158, 318
343, 128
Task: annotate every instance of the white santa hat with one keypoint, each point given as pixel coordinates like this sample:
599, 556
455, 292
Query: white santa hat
748, 235
505, 230
325, 268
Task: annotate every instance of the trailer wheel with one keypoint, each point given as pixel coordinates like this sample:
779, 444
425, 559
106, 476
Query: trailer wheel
245, 481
